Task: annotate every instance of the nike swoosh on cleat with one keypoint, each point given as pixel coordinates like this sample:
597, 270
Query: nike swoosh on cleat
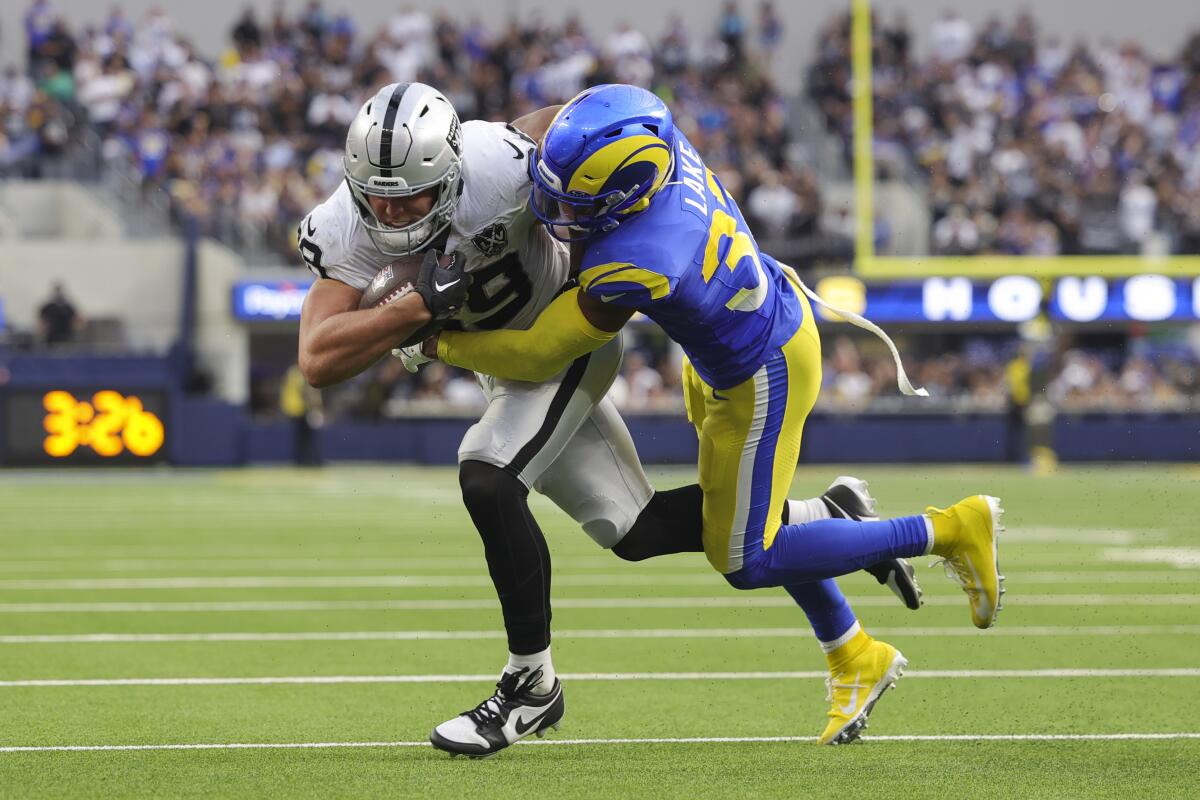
849, 708
441, 287
522, 726
608, 298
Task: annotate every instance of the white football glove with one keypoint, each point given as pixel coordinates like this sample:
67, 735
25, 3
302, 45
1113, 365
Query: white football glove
411, 357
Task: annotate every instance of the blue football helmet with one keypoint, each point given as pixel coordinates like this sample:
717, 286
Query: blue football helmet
605, 155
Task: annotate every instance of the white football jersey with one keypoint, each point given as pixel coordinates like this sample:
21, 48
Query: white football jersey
517, 268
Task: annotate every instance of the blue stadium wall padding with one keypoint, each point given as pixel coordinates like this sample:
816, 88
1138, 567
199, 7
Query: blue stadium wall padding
664, 439
1130, 437
904, 438
267, 442
205, 432
373, 441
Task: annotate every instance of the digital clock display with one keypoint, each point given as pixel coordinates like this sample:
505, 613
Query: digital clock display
84, 426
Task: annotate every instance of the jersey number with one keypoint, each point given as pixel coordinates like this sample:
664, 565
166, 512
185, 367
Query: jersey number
309, 251
740, 247
500, 290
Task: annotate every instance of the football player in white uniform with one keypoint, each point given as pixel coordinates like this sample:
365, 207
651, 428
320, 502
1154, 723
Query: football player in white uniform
419, 182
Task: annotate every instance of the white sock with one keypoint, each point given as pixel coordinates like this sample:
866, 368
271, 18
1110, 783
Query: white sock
811, 510
851, 632
928, 533
517, 663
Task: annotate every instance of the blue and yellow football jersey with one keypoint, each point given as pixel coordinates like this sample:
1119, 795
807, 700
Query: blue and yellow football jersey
690, 263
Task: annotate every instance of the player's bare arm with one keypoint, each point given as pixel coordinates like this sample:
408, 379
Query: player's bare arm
535, 123
338, 341
602, 315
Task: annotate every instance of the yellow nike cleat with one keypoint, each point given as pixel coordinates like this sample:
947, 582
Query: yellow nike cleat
860, 671
964, 535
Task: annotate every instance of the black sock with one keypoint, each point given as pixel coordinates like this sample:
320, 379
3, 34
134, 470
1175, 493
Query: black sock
672, 522
517, 557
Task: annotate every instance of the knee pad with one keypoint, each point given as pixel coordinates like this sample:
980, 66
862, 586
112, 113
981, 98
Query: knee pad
483, 484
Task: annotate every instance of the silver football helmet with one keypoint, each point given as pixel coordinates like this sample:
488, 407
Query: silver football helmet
404, 140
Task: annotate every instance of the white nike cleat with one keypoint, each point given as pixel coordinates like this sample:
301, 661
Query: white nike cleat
513, 712
849, 498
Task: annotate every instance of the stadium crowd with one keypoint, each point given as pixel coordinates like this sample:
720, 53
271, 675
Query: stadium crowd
1029, 145
248, 141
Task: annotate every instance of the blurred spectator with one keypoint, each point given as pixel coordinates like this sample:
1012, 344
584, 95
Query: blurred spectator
246, 34
58, 321
772, 205
302, 404
770, 29
951, 38
733, 29
645, 384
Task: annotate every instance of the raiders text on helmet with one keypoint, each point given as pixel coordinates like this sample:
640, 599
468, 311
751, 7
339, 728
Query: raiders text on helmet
404, 140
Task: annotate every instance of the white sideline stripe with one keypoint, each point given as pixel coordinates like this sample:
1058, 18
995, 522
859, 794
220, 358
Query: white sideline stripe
426, 581
736, 601
962, 737
327, 680
622, 633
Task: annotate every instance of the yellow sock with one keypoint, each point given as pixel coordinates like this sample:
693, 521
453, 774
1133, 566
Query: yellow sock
849, 651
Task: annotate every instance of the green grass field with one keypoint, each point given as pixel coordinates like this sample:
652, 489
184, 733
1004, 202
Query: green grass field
350, 608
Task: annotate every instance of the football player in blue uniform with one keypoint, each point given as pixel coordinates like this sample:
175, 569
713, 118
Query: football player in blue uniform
654, 231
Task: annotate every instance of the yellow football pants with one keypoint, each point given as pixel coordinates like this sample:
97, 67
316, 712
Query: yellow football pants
750, 443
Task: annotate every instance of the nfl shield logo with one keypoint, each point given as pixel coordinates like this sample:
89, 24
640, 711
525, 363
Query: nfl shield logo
491, 240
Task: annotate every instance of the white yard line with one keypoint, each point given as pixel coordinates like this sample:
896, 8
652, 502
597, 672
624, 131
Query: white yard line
621, 633
335, 581
755, 600
87, 566
965, 737
1180, 557
331, 680
1045, 534
1020, 576
631, 578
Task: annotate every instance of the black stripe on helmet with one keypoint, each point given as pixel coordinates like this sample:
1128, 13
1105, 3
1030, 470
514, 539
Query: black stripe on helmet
385, 135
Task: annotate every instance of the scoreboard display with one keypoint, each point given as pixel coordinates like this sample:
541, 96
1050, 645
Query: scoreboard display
92, 426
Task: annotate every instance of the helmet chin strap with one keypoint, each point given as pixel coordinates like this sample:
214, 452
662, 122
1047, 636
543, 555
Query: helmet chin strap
388, 241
